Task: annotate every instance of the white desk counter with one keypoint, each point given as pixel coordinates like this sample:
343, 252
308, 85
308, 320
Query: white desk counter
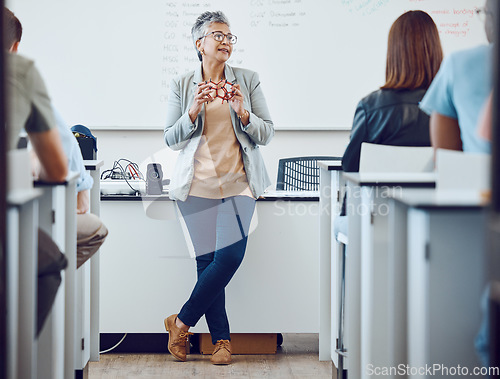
372, 267
92, 299
22, 242
446, 269
329, 253
147, 273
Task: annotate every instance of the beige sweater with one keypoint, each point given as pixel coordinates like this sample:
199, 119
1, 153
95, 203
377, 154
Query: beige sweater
218, 164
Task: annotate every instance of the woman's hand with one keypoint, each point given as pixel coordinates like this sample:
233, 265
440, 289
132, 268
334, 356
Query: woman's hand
237, 105
201, 96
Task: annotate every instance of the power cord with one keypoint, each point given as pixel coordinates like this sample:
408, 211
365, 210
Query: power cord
120, 172
114, 347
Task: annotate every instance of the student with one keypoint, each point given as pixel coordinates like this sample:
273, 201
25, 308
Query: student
455, 101
218, 174
29, 108
390, 115
490, 294
91, 232
459, 92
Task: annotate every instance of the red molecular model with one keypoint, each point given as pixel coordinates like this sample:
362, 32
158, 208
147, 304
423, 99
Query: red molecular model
221, 90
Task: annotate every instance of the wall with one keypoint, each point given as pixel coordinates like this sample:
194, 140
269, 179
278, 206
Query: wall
144, 146
308, 53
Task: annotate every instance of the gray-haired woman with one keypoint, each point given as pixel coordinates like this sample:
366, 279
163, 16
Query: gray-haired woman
217, 117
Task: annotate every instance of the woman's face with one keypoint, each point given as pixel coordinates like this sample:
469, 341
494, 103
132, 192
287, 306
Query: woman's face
489, 24
212, 49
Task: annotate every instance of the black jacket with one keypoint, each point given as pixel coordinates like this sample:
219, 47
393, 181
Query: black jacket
387, 117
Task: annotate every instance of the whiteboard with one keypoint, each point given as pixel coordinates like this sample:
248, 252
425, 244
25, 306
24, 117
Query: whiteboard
365, 28
108, 63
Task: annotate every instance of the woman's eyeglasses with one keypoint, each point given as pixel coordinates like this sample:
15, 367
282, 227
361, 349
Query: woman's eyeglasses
482, 13
219, 37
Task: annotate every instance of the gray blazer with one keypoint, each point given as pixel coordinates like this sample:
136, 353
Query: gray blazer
181, 134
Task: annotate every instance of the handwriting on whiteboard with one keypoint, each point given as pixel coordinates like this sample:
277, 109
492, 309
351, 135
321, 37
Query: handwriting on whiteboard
364, 7
265, 18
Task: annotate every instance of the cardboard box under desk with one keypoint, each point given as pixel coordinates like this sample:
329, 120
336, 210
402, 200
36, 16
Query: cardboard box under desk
243, 343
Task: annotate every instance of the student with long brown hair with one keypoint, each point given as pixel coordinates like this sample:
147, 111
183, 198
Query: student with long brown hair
390, 115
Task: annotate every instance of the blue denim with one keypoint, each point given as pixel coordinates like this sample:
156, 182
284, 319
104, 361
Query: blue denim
482, 340
219, 230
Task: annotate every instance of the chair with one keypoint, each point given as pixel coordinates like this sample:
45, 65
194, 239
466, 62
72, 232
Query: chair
300, 173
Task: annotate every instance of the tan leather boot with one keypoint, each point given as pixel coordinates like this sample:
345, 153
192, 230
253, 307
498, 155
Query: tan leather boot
177, 338
222, 353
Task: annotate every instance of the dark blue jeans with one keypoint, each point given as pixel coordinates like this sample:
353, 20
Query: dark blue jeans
219, 230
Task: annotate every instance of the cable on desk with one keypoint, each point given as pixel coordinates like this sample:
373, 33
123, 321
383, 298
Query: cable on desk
120, 172
114, 347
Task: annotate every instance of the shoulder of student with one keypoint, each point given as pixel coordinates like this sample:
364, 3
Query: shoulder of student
474, 54
18, 65
382, 98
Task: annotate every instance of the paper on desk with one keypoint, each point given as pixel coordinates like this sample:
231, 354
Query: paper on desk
290, 194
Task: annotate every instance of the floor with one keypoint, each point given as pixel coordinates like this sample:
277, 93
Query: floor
296, 358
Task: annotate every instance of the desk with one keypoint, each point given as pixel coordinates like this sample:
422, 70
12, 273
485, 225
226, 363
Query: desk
276, 289
446, 277
94, 166
368, 329
22, 261
58, 219
329, 209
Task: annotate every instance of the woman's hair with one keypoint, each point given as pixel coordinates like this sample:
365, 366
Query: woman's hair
201, 24
414, 52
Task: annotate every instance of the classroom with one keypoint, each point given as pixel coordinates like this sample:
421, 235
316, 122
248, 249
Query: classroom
252, 200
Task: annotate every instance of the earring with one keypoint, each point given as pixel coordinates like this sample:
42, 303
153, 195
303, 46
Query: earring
202, 52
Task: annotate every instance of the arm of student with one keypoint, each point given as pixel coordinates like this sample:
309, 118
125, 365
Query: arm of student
48, 148
486, 120
82, 202
445, 132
